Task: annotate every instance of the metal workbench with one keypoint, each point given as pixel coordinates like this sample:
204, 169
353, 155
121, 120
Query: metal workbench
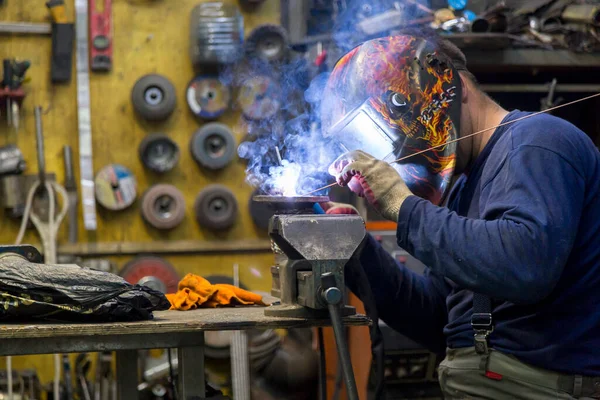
169, 329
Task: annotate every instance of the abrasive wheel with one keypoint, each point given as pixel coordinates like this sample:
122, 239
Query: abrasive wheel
115, 187
208, 97
158, 152
213, 146
153, 272
153, 97
259, 98
163, 206
216, 207
268, 43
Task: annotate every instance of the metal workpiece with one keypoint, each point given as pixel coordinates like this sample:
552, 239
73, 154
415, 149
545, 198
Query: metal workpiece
290, 204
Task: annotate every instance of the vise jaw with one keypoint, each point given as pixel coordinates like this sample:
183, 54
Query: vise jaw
307, 247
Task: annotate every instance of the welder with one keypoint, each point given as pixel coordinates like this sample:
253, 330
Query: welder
507, 221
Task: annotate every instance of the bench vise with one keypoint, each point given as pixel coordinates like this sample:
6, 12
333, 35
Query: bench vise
311, 252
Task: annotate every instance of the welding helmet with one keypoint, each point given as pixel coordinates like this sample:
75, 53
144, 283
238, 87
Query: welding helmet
392, 97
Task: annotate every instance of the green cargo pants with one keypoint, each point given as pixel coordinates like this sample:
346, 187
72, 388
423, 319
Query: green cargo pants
463, 375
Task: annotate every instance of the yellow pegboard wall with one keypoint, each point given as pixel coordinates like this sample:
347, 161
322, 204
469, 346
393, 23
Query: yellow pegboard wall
150, 36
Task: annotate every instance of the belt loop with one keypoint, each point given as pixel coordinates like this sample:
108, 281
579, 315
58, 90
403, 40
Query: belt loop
577, 385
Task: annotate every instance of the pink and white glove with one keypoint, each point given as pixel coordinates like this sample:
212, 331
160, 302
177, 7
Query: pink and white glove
373, 179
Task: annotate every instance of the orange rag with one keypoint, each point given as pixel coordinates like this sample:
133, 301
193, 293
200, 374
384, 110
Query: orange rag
195, 291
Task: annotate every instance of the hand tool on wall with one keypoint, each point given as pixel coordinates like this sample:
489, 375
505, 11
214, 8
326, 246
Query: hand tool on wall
549, 101
101, 50
67, 377
62, 42
32, 28
71, 187
11, 93
86, 165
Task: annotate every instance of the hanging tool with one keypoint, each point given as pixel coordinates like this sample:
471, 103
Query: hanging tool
62, 42
82, 367
216, 207
213, 146
67, 377
71, 187
31, 28
86, 166
11, 93
101, 50
47, 230
549, 101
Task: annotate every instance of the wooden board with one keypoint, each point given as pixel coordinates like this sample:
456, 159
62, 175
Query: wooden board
210, 319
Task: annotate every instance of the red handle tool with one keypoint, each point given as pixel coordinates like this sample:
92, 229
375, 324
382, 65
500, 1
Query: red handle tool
101, 47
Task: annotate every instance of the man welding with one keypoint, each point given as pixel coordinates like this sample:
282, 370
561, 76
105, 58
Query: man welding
512, 289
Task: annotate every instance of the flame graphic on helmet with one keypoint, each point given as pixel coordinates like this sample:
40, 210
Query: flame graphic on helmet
392, 65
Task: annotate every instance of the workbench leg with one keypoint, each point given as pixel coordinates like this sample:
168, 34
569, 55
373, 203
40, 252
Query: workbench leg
127, 375
191, 371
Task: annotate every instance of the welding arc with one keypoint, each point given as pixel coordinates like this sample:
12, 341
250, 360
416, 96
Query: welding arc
471, 135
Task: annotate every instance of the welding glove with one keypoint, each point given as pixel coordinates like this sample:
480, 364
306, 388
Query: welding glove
373, 179
332, 207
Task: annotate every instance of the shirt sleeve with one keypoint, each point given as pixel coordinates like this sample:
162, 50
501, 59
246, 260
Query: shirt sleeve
517, 251
411, 304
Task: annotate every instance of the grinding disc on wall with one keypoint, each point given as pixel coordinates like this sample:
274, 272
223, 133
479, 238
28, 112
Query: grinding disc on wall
163, 206
213, 146
158, 152
259, 98
153, 272
153, 97
208, 97
216, 207
268, 43
116, 187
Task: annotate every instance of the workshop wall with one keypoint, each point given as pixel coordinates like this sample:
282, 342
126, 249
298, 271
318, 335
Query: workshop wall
150, 36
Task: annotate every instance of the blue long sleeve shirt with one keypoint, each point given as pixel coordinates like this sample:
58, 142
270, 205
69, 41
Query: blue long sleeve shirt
521, 226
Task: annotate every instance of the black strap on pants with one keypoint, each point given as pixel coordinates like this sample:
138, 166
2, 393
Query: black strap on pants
482, 322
